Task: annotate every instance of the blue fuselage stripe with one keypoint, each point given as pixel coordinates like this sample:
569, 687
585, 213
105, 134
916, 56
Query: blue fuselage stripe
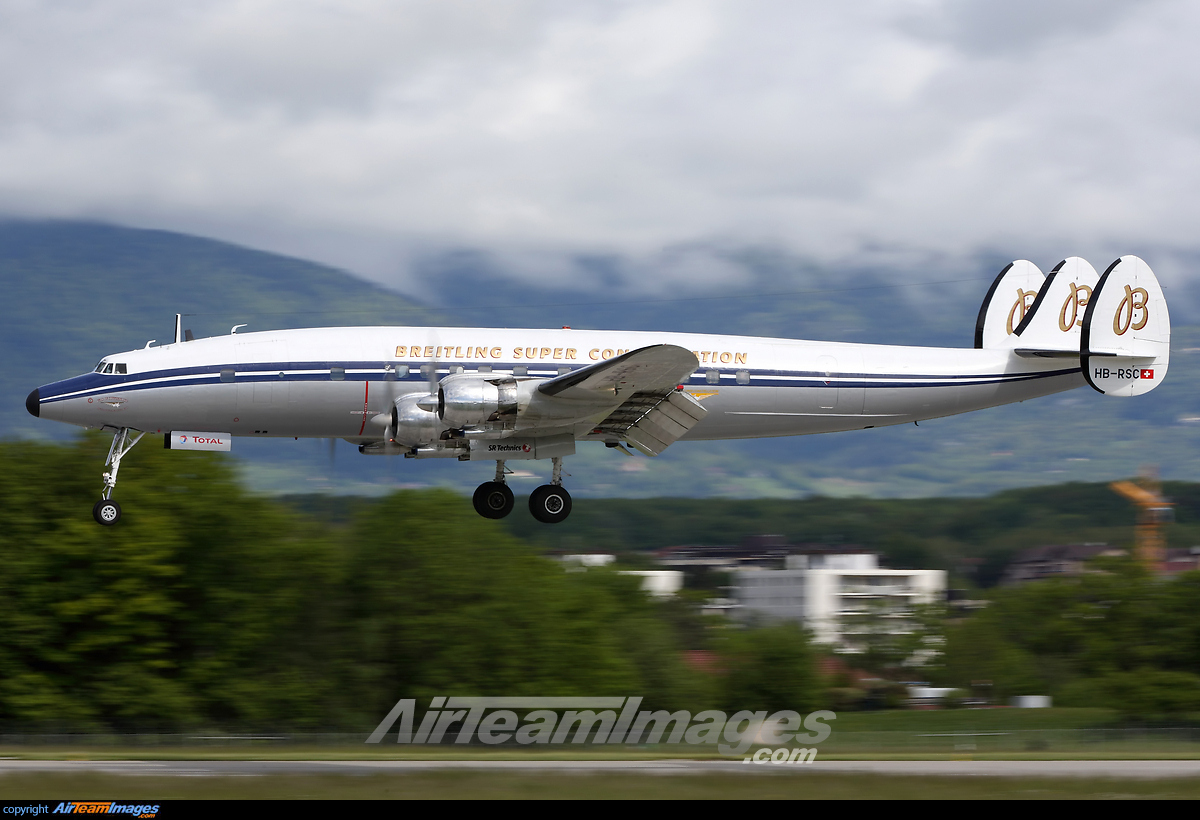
92, 384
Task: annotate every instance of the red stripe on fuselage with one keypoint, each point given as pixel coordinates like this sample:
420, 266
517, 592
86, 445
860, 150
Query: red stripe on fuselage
366, 396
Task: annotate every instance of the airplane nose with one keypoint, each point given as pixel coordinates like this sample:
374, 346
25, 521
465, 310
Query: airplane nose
33, 403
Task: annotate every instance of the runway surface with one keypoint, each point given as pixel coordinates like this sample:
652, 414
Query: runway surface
979, 768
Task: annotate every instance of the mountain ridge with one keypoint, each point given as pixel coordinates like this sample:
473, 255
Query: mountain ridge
78, 291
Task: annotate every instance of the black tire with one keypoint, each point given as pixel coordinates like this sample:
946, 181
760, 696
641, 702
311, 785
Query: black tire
107, 512
493, 499
550, 504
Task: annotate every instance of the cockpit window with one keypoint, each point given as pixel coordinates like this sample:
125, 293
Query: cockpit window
108, 368
121, 369
100, 367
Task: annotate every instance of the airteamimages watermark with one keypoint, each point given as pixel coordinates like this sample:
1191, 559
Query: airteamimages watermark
606, 721
106, 807
83, 807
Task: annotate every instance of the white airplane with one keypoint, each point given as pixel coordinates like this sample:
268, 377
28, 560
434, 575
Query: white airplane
497, 395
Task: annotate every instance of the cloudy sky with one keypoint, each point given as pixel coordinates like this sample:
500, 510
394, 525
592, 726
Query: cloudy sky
664, 134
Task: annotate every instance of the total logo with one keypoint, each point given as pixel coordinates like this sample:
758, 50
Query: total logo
201, 440
187, 440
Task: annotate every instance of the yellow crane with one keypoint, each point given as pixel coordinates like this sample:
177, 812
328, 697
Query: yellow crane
1154, 511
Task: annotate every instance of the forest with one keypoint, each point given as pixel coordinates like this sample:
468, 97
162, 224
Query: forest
209, 606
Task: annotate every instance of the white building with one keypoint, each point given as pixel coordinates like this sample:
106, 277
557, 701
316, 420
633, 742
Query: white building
836, 594
589, 559
661, 583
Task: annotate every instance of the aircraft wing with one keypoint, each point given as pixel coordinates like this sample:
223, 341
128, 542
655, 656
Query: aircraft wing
657, 367
653, 413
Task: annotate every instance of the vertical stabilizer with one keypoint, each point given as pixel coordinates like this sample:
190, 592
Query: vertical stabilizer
1125, 344
1054, 323
1007, 301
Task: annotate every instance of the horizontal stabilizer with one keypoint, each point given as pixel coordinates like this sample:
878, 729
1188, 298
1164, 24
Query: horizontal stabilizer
1125, 343
1007, 301
1053, 324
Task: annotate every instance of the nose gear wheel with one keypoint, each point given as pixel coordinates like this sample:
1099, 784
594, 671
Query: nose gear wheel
106, 512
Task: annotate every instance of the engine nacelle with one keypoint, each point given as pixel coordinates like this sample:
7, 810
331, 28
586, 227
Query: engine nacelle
411, 425
473, 400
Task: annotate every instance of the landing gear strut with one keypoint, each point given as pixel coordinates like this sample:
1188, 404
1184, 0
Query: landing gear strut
106, 511
550, 503
493, 499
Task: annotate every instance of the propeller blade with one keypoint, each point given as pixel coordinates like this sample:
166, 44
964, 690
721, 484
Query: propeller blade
390, 377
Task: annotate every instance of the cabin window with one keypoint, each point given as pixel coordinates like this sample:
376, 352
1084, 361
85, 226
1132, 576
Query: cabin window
520, 370
743, 377
562, 371
401, 371
485, 368
712, 376
428, 370
227, 375
458, 368
337, 374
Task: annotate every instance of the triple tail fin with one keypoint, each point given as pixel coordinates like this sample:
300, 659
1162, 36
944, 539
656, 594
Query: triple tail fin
1009, 299
1125, 344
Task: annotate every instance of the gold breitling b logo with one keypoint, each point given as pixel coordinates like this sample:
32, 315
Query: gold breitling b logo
1017, 313
1130, 307
1077, 298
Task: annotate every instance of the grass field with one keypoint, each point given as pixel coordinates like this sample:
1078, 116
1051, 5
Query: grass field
490, 786
901, 734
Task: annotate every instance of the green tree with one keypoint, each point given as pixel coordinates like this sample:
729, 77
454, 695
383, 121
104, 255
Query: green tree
770, 667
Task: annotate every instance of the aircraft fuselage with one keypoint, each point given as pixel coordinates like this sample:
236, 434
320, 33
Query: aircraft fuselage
331, 382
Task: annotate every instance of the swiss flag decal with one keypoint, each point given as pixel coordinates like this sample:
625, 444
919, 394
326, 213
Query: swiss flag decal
1146, 374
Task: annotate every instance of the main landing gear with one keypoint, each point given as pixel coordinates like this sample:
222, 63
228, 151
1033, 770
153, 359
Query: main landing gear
550, 503
106, 511
493, 499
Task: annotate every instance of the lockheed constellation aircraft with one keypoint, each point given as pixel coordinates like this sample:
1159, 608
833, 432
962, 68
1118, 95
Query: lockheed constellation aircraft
503, 394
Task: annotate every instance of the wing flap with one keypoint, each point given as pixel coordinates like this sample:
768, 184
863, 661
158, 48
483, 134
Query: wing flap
645, 442
653, 421
679, 415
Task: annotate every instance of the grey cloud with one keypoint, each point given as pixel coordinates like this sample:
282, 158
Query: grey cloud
658, 136
1016, 27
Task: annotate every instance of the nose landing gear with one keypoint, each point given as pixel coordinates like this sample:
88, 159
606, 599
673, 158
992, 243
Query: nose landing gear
106, 511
